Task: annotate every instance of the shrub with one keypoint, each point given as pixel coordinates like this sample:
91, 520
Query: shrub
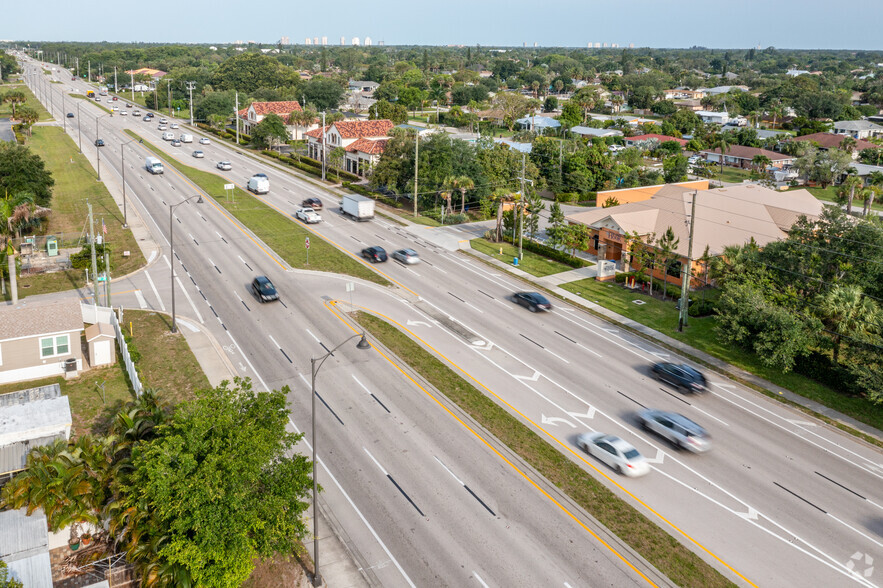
700, 308
567, 197
551, 253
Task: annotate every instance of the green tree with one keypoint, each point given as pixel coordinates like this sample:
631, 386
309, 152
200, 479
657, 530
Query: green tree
586, 98
534, 205
301, 119
760, 162
557, 224
846, 311
14, 97
247, 72
674, 169
576, 237
217, 103
221, 484
23, 171
513, 105
461, 184
667, 245
269, 132
28, 116
382, 109
663, 108
550, 104
324, 93
5, 580
721, 142
847, 190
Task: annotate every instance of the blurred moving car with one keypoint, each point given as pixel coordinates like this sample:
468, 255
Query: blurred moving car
70, 115
615, 452
308, 215
406, 256
681, 376
204, 141
264, 289
224, 165
533, 301
374, 254
176, 143
314, 203
199, 154
677, 429
99, 142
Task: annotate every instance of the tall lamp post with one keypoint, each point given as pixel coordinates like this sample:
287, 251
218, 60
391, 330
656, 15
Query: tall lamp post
123, 156
97, 146
315, 365
172, 251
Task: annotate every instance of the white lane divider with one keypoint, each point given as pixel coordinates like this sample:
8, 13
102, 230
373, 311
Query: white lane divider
155, 292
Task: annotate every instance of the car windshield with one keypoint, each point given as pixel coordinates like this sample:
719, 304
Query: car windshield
632, 454
266, 287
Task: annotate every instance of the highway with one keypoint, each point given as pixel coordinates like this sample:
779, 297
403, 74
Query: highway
782, 499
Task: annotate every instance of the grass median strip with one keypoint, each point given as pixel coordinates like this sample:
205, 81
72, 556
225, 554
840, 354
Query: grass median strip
282, 234
663, 551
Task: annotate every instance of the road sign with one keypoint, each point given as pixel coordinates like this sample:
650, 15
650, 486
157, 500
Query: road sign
350, 286
307, 242
229, 186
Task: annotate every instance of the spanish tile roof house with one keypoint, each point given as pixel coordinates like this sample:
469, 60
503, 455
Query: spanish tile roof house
364, 154
832, 141
344, 133
253, 114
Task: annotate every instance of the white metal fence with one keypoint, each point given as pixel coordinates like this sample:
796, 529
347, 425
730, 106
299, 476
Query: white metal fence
102, 314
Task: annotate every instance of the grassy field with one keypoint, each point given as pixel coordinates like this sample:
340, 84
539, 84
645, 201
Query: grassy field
829, 194
532, 263
30, 100
663, 317
166, 365
730, 174
662, 550
75, 184
282, 233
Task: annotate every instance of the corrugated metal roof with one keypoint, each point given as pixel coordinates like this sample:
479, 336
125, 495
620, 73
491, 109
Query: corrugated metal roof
34, 419
21, 535
30, 395
14, 456
29, 319
33, 572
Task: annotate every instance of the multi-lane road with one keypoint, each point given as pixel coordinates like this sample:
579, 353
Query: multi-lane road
422, 498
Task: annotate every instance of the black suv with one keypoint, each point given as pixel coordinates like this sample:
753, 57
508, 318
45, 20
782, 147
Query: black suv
263, 288
680, 376
374, 254
533, 301
99, 142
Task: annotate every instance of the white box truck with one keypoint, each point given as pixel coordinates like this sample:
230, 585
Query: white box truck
259, 184
361, 208
153, 165
186, 138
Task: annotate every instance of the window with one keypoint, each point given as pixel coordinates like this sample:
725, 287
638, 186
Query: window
52, 346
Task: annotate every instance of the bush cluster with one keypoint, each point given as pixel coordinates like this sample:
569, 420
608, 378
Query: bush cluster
550, 252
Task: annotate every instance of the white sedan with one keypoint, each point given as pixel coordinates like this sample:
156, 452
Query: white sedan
224, 165
308, 215
615, 452
198, 154
204, 141
123, 113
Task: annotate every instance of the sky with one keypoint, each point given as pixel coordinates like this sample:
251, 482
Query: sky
794, 24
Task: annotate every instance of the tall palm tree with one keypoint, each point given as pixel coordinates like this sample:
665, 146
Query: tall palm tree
617, 102
461, 183
869, 193
501, 196
535, 86
760, 162
721, 142
848, 187
845, 310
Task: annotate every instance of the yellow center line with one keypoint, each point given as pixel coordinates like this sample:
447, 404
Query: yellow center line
332, 307
557, 441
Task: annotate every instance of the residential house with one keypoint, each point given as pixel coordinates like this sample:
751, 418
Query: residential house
731, 216
646, 141
741, 156
363, 87
713, 117
592, 132
857, 129
684, 94
796, 72
362, 155
156, 74
253, 114
723, 90
833, 140
321, 141
538, 123
40, 340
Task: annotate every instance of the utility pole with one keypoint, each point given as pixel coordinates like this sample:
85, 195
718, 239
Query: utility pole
190, 86
116, 88
685, 275
520, 220
94, 261
169, 87
89, 72
63, 116
236, 117
106, 277
132, 83
78, 67
416, 166
324, 149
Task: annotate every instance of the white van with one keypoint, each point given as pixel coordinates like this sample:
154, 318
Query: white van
259, 184
168, 136
186, 138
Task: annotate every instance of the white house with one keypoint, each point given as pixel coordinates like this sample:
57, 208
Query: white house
857, 129
343, 134
256, 111
710, 116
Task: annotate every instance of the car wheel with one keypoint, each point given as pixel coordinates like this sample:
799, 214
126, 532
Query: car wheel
619, 469
532, 307
644, 425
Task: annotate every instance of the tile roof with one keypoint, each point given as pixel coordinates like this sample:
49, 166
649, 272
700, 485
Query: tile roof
660, 138
831, 140
743, 152
317, 133
29, 319
356, 129
285, 107
369, 146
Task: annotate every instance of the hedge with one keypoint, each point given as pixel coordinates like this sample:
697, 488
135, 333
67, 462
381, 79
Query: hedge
329, 172
551, 253
641, 278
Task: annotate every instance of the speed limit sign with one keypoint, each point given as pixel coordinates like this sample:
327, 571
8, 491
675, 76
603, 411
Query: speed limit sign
307, 242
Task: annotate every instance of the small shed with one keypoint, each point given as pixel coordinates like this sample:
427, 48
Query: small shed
100, 338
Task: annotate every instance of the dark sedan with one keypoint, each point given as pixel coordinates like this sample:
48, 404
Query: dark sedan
263, 288
313, 203
99, 142
680, 376
374, 254
533, 301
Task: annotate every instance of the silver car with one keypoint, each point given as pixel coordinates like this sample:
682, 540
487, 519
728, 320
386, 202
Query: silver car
615, 452
198, 154
406, 256
224, 165
676, 429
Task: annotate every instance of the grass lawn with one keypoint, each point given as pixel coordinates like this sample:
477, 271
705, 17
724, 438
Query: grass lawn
701, 334
659, 548
829, 194
166, 365
281, 232
30, 100
75, 184
532, 263
730, 174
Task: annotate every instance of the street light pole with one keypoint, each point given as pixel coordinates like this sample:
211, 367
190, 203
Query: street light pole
172, 252
315, 365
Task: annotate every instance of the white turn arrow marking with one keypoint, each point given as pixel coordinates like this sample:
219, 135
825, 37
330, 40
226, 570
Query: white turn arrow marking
590, 414
660, 455
751, 514
555, 421
414, 323
533, 378
801, 423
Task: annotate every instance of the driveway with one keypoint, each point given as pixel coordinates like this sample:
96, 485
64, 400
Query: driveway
6, 133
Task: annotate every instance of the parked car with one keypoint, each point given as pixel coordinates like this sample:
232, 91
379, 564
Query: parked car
70, 115
198, 154
99, 142
308, 215
406, 256
224, 165
312, 203
680, 376
676, 429
264, 289
615, 148
533, 301
615, 452
205, 141
374, 254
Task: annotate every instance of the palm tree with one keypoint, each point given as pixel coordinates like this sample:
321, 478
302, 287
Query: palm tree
559, 85
721, 142
14, 97
301, 119
845, 310
667, 245
760, 162
535, 86
847, 189
869, 193
461, 183
500, 195
847, 144
617, 101
28, 116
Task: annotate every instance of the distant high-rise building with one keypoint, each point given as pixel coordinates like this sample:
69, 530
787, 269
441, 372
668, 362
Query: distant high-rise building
367, 41
382, 43
524, 44
604, 45
251, 42
614, 45
308, 41
355, 41
631, 45
535, 44
324, 40
343, 40
315, 40
285, 41
597, 45
237, 43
